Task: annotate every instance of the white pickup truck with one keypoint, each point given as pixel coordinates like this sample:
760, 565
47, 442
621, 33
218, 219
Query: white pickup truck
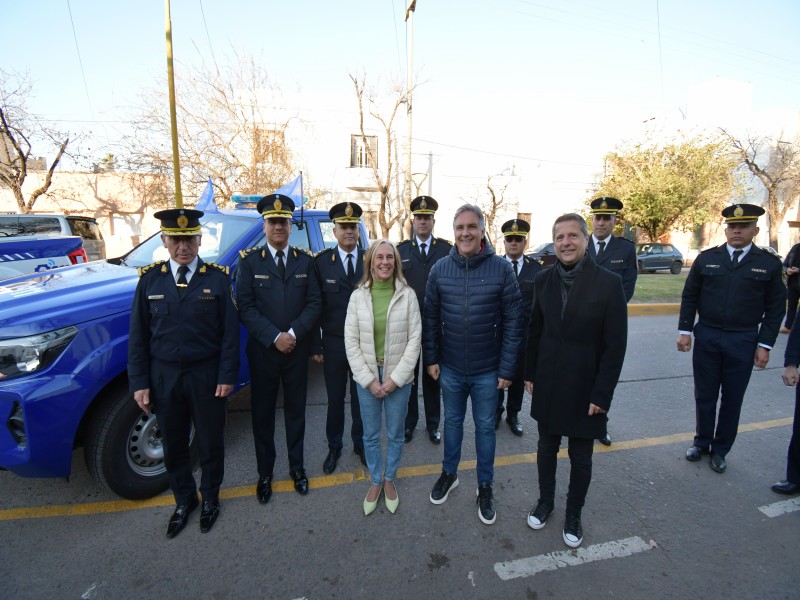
34, 254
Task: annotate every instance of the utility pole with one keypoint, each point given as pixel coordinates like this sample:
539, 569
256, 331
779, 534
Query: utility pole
412, 4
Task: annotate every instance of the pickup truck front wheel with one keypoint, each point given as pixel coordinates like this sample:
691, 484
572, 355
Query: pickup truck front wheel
123, 448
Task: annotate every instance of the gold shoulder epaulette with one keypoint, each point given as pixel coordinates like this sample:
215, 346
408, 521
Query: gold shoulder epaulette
323, 251
214, 266
444, 241
244, 253
403, 242
303, 250
143, 270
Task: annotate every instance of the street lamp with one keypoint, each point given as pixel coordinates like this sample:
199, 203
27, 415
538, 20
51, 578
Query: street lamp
412, 4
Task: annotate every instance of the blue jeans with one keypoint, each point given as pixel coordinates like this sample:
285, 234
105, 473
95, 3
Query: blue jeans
482, 389
396, 407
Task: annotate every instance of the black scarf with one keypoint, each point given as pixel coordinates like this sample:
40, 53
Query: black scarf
567, 275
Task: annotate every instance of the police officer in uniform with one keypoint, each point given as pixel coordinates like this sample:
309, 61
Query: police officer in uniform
737, 291
616, 254
279, 304
515, 239
183, 361
339, 269
418, 255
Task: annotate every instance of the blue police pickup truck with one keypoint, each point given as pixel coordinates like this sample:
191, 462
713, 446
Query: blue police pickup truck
63, 358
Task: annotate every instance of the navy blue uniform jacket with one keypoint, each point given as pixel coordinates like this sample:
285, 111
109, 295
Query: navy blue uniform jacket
618, 257
415, 270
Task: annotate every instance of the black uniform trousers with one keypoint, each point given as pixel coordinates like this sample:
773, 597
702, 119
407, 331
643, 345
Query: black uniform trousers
793, 459
793, 295
269, 368
337, 374
182, 395
515, 393
580, 472
431, 394
722, 360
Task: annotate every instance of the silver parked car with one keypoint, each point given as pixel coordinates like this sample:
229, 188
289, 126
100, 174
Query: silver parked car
13, 225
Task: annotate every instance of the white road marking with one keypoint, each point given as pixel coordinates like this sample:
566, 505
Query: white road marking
776, 509
525, 567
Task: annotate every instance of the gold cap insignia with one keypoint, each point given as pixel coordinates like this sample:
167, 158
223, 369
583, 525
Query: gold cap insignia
183, 221
277, 205
604, 204
738, 211
514, 226
348, 211
423, 204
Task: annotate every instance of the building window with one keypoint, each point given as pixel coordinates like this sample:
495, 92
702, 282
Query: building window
361, 149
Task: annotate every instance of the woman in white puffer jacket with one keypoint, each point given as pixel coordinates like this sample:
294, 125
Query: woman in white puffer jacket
382, 333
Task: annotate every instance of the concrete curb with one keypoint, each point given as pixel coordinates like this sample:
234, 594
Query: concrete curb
653, 310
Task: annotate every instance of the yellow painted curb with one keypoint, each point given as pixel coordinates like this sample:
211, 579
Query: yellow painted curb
653, 310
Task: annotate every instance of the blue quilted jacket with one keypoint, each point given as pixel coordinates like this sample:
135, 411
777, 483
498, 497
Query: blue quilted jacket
473, 320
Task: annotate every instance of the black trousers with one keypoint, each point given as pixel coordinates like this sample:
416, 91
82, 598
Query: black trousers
793, 460
431, 394
269, 368
515, 392
181, 396
580, 473
722, 360
793, 296
337, 376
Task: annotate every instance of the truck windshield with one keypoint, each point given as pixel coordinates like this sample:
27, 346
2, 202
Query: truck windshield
220, 233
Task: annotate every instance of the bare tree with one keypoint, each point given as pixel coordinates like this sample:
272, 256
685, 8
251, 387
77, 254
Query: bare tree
777, 167
391, 207
493, 201
231, 127
18, 131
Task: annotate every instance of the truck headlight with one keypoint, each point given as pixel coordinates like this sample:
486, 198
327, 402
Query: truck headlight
22, 356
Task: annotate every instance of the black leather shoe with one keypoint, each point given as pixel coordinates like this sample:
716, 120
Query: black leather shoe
498, 416
513, 423
359, 450
718, 463
785, 487
329, 466
179, 518
606, 440
209, 514
300, 481
409, 433
264, 490
695, 453
435, 435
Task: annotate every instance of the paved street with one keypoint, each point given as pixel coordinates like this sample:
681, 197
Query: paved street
655, 525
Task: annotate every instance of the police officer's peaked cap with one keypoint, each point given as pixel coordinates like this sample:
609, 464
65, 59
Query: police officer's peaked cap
742, 213
423, 205
345, 212
605, 206
179, 221
276, 206
516, 227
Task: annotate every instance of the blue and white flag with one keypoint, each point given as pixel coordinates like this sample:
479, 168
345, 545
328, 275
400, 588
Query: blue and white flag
206, 200
293, 189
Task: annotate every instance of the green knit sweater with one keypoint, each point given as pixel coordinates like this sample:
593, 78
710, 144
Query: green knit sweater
382, 292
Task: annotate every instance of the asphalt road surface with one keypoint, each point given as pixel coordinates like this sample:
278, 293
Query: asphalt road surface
655, 525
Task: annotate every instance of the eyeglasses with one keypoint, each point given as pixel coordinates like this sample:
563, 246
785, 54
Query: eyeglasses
603, 217
515, 238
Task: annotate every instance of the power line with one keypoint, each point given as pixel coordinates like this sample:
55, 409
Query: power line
80, 60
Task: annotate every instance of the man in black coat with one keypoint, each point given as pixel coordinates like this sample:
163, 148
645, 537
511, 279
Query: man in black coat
792, 265
515, 239
279, 304
617, 254
576, 346
183, 361
418, 256
339, 269
737, 291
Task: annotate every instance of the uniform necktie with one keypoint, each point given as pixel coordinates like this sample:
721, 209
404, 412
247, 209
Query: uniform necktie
351, 272
281, 265
735, 259
516, 267
182, 283
422, 251
602, 249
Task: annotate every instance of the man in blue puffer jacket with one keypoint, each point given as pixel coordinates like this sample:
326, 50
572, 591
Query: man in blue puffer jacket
472, 339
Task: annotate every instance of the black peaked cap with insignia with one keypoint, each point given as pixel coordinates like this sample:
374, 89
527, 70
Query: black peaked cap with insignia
276, 206
423, 205
179, 221
345, 212
605, 206
742, 213
518, 227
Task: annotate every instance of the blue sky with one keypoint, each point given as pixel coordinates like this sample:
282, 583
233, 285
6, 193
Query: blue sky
534, 84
